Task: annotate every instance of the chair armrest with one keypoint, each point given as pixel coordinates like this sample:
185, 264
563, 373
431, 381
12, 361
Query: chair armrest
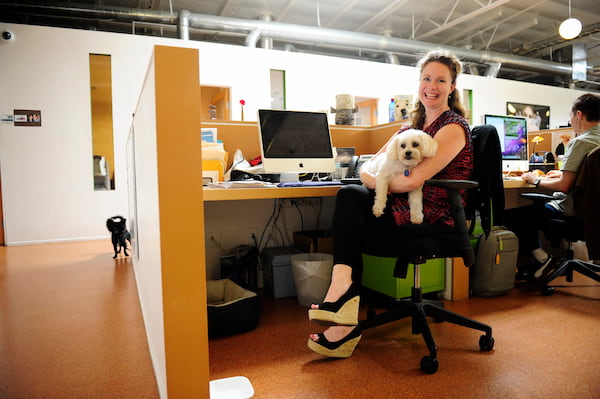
537, 197
457, 212
452, 184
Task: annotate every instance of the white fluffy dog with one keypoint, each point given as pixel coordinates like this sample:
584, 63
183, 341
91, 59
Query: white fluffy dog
402, 154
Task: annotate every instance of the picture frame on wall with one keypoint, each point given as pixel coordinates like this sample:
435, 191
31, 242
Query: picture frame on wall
537, 116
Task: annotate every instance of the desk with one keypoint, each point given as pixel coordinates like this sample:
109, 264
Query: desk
512, 193
229, 194
516, 183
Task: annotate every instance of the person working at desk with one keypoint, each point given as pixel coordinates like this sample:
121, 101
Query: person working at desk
526, 221
438, 112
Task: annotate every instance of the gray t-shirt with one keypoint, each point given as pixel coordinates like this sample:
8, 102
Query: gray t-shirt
575, 153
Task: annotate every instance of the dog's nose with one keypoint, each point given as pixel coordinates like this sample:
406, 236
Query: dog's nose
408, 154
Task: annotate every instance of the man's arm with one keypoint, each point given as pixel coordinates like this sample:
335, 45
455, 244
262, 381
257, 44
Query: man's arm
555, 180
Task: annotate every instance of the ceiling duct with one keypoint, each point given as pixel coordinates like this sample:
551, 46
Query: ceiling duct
317, 36
331, 37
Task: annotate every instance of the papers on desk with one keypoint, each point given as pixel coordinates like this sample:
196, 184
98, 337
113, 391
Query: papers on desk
214, 156
242, 184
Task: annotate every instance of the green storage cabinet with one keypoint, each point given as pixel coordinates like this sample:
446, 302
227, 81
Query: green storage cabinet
378, 275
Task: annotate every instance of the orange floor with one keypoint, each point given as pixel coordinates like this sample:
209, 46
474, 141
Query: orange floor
70, 324
70, 327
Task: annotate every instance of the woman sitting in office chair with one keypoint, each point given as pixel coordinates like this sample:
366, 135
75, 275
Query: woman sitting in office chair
527, 221
438, 112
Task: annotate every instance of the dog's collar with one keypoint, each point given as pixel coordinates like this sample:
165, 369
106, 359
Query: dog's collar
406, 172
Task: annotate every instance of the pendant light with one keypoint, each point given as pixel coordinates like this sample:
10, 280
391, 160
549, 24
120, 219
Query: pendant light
570, 27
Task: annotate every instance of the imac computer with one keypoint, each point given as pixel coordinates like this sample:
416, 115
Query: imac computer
512, 132
295, 141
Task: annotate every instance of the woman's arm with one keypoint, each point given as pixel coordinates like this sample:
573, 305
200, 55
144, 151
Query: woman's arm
451, 140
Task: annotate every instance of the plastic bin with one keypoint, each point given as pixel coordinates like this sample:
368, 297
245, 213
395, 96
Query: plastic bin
231, 388
378, 275
312, 276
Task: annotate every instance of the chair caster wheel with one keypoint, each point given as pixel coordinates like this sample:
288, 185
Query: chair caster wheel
547, 290
486, 343
429, 364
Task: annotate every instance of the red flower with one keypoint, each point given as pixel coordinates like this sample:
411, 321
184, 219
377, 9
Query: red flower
243, 102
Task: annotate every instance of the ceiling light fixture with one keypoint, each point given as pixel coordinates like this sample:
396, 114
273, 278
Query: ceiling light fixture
570, 28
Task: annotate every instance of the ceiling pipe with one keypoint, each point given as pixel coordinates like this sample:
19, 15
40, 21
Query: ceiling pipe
266, 42
331, 37
183, 25
390, 57
323, 37
493, 69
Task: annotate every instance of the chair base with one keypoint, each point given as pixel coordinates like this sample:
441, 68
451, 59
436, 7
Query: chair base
418, 309
566, 268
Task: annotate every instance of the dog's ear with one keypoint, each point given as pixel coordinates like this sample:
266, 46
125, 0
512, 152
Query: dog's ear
393, 149
430, 145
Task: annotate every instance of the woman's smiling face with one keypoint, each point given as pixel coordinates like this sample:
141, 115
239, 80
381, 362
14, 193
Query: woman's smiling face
435, 85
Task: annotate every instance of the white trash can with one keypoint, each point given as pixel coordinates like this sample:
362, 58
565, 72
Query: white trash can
312, 276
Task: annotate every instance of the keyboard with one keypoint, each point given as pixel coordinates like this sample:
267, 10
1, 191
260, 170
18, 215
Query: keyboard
309, 183
351, 180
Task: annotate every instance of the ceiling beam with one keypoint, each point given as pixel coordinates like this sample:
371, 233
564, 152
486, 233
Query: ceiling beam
475, 26
494, 26
385, 12
464, 18
229, 8
514, 29
342, 12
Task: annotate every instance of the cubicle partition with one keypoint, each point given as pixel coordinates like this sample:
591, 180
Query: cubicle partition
166, 202
244, 136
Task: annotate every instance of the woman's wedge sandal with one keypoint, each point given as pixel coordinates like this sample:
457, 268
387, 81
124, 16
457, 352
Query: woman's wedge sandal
343, 312
340, 349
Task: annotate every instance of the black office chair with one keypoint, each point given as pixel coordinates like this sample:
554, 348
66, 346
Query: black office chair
485, 203
455, 243
582, 226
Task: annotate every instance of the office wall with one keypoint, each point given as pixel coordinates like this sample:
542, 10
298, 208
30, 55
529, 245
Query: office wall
47, 171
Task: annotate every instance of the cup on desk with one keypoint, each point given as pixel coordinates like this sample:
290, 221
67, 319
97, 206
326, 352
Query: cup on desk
340, 171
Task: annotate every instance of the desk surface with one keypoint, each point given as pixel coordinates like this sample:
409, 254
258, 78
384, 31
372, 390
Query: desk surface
231, 194
225, 194
516, 183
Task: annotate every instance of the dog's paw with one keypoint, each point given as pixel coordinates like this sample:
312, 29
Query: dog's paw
416, 219
378, 210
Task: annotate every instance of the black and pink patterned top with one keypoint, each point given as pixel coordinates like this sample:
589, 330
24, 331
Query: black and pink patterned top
435, 202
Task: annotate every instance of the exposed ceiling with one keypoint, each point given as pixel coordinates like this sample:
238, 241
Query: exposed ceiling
511, 39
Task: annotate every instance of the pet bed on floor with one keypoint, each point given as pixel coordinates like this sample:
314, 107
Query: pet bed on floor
231, 308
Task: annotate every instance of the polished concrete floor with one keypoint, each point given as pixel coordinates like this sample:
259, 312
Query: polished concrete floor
70, 327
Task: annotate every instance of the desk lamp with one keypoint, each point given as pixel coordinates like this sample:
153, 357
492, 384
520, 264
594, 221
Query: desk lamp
536, 140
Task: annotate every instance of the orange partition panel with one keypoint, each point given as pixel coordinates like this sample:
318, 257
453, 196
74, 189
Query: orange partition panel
181, 216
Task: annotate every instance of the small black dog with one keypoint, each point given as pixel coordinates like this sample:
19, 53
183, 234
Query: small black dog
119, 234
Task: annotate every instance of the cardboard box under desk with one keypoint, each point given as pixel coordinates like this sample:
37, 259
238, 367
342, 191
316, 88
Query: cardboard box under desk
314, 241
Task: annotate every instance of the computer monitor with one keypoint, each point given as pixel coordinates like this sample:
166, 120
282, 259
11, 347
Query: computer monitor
295, 141
512, 132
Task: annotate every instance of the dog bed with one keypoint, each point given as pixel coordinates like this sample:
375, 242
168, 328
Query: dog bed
231, 308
